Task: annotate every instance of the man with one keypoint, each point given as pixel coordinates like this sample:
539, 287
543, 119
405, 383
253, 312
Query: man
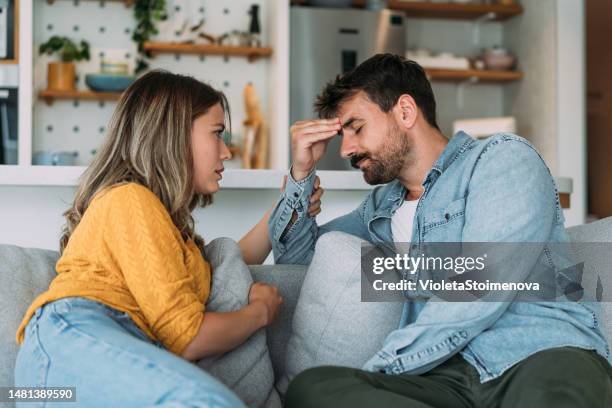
483, 354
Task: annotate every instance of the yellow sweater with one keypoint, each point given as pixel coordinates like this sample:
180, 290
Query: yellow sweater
127, 253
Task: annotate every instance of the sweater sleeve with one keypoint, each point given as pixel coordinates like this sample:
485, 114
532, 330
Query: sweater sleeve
146, 246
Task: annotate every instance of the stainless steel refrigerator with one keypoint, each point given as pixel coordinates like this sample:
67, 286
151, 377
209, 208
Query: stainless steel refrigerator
326, 42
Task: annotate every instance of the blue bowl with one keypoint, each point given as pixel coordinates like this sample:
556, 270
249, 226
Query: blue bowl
108, 82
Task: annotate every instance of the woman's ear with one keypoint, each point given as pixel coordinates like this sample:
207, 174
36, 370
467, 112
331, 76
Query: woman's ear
406, 111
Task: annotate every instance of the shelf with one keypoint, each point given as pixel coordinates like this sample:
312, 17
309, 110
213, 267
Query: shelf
128, 3
456, 11
339, 180
252, 53
232, 178
456, 75
49, 95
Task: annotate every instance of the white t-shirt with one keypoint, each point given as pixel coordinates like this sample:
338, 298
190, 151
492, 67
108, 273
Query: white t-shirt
402, 221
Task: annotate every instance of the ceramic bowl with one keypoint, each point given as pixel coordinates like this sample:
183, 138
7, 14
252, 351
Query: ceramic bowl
498, 61
109, 82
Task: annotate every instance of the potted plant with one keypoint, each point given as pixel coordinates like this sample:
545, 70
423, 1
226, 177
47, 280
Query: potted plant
61, 74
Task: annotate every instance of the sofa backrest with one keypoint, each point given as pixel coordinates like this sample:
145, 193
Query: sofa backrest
26, 272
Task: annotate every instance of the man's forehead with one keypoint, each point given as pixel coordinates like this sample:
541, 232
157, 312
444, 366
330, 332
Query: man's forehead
357, 107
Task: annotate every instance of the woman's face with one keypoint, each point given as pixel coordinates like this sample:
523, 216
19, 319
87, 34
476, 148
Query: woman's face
209, 150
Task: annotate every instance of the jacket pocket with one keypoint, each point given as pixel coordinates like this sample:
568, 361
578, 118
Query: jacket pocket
438, 218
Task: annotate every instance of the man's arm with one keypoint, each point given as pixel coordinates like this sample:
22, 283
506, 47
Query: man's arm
293, 241
511, 199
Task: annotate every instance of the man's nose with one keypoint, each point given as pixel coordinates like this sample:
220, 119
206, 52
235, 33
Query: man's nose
348, 146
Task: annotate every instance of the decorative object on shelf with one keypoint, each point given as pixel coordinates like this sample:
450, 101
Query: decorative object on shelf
485, 127
254, 27
61, 75
255, 142
108, 82
61, 158
113, 67
498, 58
147, 13
446, 60
8, 126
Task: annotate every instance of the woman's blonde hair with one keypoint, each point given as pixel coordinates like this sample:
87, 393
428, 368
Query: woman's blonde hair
149, 143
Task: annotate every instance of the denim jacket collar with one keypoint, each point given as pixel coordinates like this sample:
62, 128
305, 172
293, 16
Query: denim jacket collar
395, 191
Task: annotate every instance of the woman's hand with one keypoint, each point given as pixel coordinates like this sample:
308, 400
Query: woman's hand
314, 207
221, 332
268, 298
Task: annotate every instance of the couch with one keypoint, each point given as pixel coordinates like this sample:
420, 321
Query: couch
26, 272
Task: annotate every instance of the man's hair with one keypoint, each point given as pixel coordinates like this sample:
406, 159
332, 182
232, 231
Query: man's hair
384, 78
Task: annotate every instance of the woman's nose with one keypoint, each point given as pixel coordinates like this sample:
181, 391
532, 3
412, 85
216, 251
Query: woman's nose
226, 154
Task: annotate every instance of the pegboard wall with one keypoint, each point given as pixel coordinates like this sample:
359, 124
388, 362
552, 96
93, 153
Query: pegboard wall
80, 126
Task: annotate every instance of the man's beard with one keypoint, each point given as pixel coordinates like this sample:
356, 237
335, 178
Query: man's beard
390, 160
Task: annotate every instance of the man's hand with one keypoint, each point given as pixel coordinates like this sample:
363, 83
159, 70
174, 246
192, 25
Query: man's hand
308, 143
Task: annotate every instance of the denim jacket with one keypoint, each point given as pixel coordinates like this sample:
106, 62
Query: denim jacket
494, 190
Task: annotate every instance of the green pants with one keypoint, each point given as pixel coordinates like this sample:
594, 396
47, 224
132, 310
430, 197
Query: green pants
560, 377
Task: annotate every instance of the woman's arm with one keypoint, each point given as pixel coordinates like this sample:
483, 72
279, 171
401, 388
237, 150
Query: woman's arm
224, 331
255, 245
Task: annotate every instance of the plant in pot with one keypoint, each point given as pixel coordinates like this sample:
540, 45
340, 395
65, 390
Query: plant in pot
61, 74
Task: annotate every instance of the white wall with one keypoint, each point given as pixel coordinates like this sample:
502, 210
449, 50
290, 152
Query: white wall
32, 216
571, 104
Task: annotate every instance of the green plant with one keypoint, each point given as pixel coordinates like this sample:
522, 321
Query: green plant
146, 13
66, 49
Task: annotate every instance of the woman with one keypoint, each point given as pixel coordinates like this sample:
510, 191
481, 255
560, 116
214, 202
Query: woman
126, 313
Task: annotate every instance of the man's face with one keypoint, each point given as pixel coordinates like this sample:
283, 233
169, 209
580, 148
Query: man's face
372, 140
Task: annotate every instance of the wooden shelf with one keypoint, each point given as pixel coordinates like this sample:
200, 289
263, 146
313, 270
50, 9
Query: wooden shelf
456, 75
456, 11
50, 95
252, 53
128, 3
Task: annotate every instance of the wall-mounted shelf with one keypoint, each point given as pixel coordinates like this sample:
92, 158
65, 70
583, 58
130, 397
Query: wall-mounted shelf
252, 53
49, 95
456, 75
457, 11
128, 3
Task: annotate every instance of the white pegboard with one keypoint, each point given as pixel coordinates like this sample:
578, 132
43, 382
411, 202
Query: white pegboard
81, 126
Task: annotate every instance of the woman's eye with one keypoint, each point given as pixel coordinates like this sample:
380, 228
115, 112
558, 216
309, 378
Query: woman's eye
358, 130
225, 136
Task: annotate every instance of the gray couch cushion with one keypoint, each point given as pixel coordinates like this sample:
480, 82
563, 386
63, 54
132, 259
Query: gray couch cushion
332, 326
597, 262
288, 279
24, 274
247, 370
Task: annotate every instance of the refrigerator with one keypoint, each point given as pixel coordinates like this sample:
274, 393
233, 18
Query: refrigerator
326, 42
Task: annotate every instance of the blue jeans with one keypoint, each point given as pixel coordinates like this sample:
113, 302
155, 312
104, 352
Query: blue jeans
76, 342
